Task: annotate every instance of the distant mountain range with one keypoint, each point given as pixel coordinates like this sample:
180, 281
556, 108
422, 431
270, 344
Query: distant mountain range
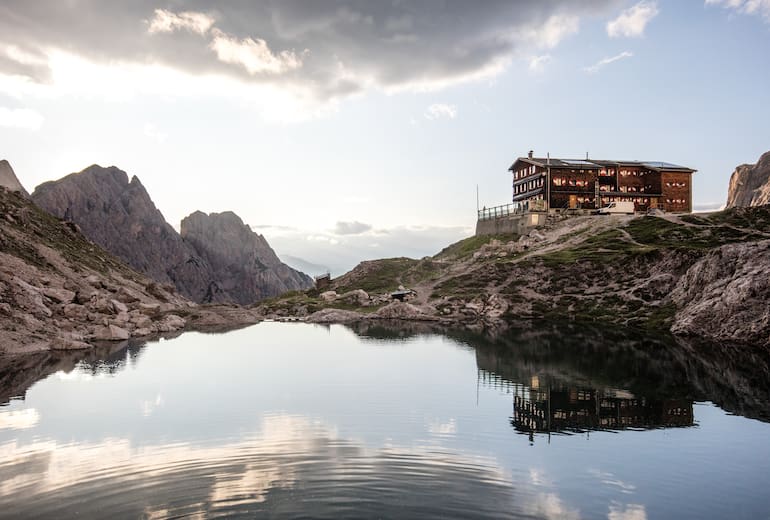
215, 258
305, 266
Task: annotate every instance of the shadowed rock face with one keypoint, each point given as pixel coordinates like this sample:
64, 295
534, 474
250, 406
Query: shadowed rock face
242, 262
750, 184
9, 180
120, 216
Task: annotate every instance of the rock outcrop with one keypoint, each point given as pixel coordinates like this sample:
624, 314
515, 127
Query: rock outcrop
59, 291
9, 180
242, 263
120, 216
750, 184
726, 295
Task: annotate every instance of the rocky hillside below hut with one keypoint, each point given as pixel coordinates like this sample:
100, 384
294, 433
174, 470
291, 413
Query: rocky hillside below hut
750, 184
120, 216
703, 276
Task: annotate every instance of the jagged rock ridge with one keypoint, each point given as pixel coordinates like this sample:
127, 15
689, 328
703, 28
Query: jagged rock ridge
750, 184
9, 180
120, 216
242, 262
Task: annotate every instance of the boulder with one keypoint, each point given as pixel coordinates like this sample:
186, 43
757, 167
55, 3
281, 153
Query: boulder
59, 295
110, 333
402, 311
118, 306
170, 323
334, 316
328, 296
357, 297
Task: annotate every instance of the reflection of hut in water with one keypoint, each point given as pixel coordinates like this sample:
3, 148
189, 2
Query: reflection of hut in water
575, 409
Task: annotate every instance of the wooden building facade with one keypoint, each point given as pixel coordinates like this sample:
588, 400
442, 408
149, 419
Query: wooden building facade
593, 183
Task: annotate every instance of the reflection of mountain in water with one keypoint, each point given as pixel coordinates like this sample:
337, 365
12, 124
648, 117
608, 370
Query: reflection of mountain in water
18, 373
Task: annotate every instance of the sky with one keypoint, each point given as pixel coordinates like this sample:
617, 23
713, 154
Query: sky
351, 130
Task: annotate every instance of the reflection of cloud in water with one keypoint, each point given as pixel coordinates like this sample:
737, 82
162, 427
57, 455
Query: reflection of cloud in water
439, 428
629, 512
611, 480
293, 467
19, 419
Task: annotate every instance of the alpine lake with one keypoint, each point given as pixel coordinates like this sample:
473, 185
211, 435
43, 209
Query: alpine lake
389, 420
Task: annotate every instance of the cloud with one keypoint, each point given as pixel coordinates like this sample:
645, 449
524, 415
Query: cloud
168, 22
753, 7
351, 228
557, 28
538, 63
441, 111
253, 54
153, 133
20, 118
632, 21
313, 53
606, 61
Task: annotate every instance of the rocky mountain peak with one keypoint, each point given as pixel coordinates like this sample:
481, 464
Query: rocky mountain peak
750, 184
216, 258
243, 262
9, 180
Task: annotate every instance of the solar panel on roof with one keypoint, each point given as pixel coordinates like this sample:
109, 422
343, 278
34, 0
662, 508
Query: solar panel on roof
578, 162
661, 164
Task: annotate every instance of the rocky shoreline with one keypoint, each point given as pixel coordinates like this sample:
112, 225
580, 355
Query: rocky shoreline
698, 276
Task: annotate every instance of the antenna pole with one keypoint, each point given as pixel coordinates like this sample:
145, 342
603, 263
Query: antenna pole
477, 198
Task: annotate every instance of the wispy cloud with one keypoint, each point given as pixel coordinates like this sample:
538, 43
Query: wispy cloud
167, 22
151, 131
606, 61
253, 54
755, 7
20, 118
538, 63
441, 111
632, 21
351, 228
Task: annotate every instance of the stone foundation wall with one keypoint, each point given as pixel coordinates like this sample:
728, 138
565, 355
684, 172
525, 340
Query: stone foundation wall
519, 224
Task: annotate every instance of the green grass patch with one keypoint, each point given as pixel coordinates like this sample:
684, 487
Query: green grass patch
466, 247
605, 247
658, 232
378, 276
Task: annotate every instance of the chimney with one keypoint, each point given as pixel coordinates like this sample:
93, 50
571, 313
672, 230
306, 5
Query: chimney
548, 159
530, 154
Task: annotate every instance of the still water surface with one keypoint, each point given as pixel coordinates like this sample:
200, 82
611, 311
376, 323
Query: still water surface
296, 420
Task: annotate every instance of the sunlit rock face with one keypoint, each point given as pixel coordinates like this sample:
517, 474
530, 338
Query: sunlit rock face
9, 180
750, 184
217, 260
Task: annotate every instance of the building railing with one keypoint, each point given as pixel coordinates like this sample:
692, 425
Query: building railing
500, 211
515, 208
